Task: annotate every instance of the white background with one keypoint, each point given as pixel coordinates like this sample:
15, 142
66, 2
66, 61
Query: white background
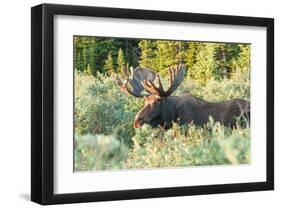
15, 104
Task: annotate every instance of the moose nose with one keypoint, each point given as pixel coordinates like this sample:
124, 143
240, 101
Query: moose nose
138, 123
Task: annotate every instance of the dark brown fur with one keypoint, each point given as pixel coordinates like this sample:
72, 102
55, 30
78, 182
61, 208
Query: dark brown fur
187, 109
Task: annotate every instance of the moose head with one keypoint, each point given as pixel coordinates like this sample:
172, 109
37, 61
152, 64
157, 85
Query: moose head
158, 109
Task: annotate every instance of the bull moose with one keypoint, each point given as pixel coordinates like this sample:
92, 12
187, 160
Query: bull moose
160, 108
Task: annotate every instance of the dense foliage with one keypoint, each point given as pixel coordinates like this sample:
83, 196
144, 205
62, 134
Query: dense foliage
182, 146
105, 137
103, 120
104, 54
204, 60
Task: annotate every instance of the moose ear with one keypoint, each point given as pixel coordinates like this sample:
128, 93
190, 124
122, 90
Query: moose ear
168, 113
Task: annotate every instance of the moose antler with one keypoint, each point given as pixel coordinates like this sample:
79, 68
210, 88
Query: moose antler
176, 76
138, 76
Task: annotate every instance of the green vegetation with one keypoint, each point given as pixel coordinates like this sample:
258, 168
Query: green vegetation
96, 51
188, 146
104, 113
104, 133
203, 60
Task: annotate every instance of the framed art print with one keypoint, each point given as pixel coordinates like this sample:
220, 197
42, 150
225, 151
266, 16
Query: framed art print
131, 104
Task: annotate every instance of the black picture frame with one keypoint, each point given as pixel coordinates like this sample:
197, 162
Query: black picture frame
42, 103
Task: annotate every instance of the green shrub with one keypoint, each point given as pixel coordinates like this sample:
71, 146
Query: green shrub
212, 144
100, 108
214, 91
98, 152
105, 137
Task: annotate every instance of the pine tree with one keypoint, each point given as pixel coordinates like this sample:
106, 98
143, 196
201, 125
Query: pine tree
181, 47
79, 62
221, 68
109, 66
161, 58
225, 53
120, 60
88, 70
205, 63
78, 54
192, 50
148, 55
242, 62
169, 53
84, 58
92, 64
